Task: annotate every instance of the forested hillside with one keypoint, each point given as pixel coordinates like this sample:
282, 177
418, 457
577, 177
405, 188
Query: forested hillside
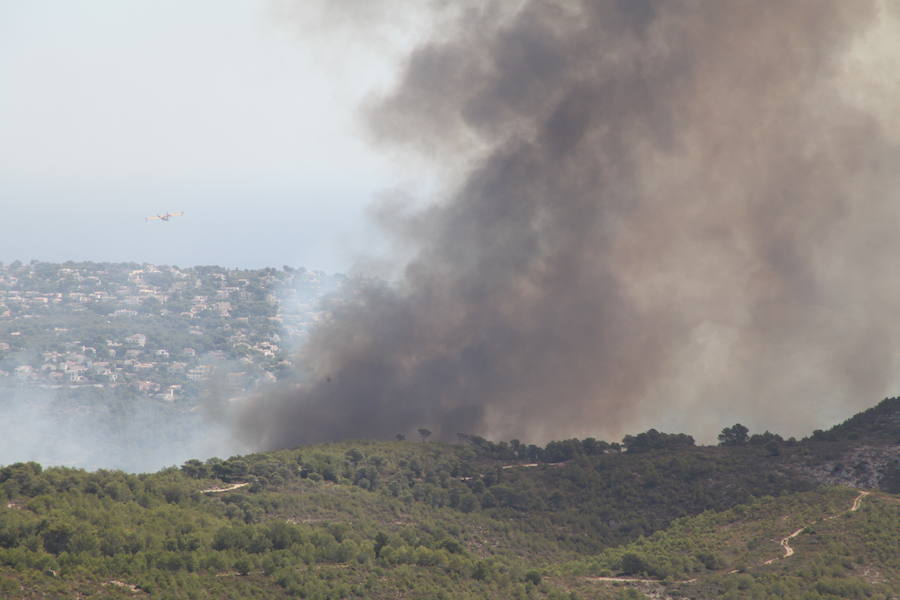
415, 519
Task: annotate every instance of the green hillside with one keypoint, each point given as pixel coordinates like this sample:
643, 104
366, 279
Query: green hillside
738, 553
473, 520
881, 422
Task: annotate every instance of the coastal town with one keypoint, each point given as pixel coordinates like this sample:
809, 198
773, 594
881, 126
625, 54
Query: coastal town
159, 332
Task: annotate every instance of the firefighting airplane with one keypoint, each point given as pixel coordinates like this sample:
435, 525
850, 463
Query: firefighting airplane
164, 216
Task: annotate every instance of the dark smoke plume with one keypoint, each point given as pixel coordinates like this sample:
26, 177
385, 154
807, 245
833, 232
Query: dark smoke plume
671, 217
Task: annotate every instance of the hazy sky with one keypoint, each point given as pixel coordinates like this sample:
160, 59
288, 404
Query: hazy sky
723, 247
230, 111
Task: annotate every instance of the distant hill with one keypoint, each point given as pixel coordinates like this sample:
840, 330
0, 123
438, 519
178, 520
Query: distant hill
91, 352
651, 517
154, 331
863, 451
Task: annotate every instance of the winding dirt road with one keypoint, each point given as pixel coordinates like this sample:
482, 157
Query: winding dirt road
786, 542
785, 545
858, 501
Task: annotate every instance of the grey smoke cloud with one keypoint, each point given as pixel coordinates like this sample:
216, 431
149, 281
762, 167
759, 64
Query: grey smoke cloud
672, 217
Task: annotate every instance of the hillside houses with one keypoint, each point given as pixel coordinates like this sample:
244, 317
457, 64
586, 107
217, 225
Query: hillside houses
160, 331
137, 339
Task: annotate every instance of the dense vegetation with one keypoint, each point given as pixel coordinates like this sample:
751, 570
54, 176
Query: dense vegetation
881, 422
480, 519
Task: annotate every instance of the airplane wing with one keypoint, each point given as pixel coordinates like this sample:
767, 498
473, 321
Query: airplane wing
151, 218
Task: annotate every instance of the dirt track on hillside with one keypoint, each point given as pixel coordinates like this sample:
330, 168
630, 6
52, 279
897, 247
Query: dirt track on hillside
786, 542
233, 486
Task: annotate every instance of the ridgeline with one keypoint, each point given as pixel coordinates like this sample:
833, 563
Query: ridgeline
654, 516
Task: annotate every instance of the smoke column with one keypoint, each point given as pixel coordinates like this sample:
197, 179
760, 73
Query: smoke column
670, 216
